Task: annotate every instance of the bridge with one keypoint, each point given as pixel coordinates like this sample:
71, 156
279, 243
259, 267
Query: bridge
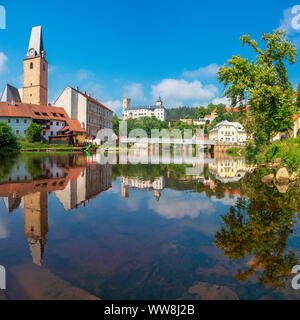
151, 141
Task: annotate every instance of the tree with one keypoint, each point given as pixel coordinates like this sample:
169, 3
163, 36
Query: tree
33, 132
115, 122
298, 96
263, 85
7, 137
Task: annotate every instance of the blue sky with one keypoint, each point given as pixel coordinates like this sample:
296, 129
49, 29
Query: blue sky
139, 49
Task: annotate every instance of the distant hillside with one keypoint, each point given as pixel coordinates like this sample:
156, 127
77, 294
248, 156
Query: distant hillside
181, 113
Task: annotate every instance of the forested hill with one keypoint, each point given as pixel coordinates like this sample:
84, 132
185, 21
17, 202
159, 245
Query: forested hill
181, 113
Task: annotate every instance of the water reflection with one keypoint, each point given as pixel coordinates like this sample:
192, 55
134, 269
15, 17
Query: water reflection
200, 230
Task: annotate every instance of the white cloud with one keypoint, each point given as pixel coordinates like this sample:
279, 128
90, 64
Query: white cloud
291, 20
178, 90
3, 62
204, 72
223, 100
114, 105
174, 206
84, 75
134, 91
51, 68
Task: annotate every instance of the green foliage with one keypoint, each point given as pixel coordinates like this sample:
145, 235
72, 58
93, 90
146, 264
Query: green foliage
263, 84
115, 122
181, 113
33, 132
288, 151
7, 137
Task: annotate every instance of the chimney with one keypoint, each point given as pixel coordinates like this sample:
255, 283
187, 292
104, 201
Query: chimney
76, 88
13, 103
85, 92
90, 95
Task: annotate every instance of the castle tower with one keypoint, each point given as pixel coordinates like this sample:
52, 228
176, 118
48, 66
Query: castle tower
36, 224
159, 102
35, 70
126, 103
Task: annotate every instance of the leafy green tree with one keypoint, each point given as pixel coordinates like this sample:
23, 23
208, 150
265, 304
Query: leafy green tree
263, 85
298, 96
115, 122
7, 137
33, 132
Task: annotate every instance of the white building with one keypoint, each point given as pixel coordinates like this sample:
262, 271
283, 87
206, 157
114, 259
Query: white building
228, 133
92, 115
158, 111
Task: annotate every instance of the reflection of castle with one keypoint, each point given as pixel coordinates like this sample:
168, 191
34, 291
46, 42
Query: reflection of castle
75, 186
138, 184
229, 170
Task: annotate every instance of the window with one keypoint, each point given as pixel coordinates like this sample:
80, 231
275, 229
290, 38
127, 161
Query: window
44, 133
37, 113
45, 114
25, 121
17, 121
24, 131
51, 133
62, 115
51, 123
31, 65
57, 124
55, 114
8, 120
17, 131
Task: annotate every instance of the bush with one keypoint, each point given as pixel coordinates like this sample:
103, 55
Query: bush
7, 137
34, 132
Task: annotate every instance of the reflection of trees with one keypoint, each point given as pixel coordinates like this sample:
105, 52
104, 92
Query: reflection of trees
7, 162
259, 225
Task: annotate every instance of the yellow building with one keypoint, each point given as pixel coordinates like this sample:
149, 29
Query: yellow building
35, 71
296, 127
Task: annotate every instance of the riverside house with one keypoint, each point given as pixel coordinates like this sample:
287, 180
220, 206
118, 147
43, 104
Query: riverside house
55, 121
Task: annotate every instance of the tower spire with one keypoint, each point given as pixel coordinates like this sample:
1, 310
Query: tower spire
36, 46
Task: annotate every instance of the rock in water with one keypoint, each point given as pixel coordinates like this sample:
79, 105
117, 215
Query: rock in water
268, 180
282, 176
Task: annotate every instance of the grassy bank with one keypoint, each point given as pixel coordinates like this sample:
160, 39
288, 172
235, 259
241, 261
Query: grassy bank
236, 151
286, 153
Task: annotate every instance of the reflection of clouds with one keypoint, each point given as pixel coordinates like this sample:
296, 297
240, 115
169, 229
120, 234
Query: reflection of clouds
115, 189
226, 201
4, 231
173, 205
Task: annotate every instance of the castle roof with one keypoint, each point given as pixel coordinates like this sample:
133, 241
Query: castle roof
11, 93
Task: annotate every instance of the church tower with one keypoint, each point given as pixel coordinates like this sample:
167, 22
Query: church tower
35, 70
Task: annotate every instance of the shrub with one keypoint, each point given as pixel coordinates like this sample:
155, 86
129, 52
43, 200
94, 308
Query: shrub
7, 137
33, 132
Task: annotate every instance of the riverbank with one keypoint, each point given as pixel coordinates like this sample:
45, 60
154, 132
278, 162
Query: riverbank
281, 154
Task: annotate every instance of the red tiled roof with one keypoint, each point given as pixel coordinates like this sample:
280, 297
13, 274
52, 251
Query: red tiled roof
38, 112
93, 100
296, 116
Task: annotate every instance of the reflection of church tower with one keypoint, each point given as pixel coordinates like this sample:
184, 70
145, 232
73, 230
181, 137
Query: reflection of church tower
157, 194
36, 224
125, 193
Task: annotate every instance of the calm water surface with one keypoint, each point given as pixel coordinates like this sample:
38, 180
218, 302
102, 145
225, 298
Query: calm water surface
73, 227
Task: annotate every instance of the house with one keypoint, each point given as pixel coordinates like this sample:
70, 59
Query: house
158, 111
228, 133
54, 120
296, 126
91, 114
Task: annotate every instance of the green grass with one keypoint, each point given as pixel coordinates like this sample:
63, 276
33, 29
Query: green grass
288, 151
235, 151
